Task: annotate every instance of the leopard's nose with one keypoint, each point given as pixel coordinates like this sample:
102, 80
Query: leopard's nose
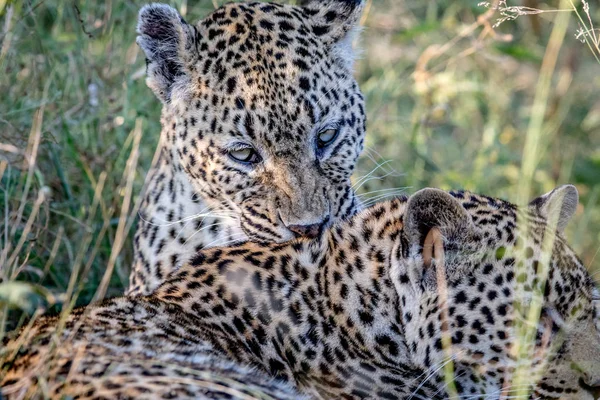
591, 382
310, 231
592, 387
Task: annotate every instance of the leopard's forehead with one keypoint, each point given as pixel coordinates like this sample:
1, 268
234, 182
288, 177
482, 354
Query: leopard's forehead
270, 45
263, 30
485, 210
495, 218
267, 69
502, 223
500, 262
516, 239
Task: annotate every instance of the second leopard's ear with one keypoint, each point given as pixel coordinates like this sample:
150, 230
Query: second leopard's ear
337, 23
434, 215
169, 44
558, 206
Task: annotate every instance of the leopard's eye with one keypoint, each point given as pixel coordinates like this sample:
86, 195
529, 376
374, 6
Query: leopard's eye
244, 155
326, 137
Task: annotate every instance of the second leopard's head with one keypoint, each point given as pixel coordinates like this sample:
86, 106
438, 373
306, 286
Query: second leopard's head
261, 109
495, 303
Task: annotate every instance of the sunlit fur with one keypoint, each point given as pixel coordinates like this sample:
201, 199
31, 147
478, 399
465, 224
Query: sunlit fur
353, 314
493, 263
267, 75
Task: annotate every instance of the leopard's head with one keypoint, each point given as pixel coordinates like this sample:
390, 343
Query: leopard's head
261, 109
494, 301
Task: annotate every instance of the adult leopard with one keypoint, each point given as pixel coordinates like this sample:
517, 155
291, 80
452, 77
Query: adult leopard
362, 311
262, 122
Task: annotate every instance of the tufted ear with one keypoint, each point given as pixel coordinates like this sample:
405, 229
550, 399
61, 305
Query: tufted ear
337, 23
169, 43
559, 205
433, 208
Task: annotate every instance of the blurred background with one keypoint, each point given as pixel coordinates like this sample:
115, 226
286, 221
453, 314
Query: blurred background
495, 98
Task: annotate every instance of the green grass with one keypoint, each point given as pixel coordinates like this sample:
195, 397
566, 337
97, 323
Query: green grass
451, 103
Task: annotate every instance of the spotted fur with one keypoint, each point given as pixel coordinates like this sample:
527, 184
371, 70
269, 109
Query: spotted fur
263, 75
359, 312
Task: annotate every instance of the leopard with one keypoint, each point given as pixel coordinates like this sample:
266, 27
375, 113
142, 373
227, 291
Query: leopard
262, 125
419, 297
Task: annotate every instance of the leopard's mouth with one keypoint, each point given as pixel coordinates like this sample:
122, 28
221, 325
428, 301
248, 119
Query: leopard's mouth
261, 229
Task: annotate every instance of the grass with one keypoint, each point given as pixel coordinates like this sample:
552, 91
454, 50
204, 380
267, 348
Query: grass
496, 99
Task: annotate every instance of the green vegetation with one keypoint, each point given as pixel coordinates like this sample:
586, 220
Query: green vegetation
453, 102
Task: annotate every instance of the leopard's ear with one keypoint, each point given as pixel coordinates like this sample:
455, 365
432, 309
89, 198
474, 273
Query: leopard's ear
435, 209
558, 206
169, 44
337, 23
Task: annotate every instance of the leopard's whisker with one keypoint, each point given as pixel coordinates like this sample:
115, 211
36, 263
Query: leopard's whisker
190, 218
595, 274
358, 184
435, 367
204, 228
372, 178
376, 158
592, 261
379, 191
227, 241
446, 384
368, 178
377, 199
431, 375
225, 205
497, 392
384, 195
420, 397
204, 210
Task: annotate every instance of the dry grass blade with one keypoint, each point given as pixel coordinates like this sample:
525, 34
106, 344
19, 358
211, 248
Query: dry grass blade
449, 94
86, 240
433, 253
535, 134
8, 16
7, 268
435, 51
54, 250
535, 139
30, 163
587, 33
121, 234
25, 235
